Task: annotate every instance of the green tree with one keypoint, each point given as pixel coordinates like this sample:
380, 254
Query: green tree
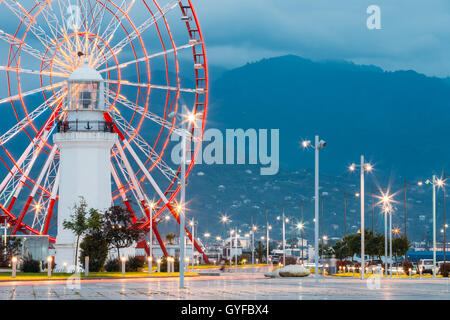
170, 237
78, 223
400, 246
340, 250
119, 230
12, 248
260, 251
94, 244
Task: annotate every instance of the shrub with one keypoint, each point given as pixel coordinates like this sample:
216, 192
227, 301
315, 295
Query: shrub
29, 265
134, 264
95, 247
112, 265
176, 266
445, 270
343, 263
290, 260
406, 266
245, 256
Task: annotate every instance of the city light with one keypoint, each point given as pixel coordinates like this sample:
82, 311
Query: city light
306, 143
300, 226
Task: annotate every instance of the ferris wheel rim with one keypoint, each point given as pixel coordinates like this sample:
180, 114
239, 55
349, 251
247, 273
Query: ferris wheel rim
198, 105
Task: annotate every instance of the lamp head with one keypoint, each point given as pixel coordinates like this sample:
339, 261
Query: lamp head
322, 144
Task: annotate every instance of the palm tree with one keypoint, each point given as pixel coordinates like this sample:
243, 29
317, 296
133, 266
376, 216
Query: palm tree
170, 237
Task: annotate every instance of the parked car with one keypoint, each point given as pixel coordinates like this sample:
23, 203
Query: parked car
426, 266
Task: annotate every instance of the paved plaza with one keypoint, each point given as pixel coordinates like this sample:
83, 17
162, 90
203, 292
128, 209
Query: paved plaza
238, 286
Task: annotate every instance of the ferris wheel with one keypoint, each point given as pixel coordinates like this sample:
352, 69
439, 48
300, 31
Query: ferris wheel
152, 58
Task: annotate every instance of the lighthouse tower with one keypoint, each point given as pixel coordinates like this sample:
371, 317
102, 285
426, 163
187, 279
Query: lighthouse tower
85, 140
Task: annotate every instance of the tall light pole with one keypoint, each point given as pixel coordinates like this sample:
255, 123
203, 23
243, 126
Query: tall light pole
319, 144
390, 242
235, 248
192, 224
364, 167
254, 228
284, 220
152, 206
386, 210
231, 247
434, 182
301, 226
386, 200
188, 118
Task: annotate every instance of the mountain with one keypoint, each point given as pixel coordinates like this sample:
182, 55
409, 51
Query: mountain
399, 120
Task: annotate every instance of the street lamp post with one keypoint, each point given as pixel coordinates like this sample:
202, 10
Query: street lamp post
189, 118
319, 144
150, 238
284, 239
390, 243
386, 210
434, 182
192, 224
254, 228
235, 248
363, 168
301, 226
231, 247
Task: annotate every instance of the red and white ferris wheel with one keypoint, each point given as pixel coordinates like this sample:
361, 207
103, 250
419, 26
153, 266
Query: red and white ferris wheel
148, 67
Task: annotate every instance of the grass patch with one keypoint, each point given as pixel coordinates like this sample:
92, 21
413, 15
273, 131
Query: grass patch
93, 275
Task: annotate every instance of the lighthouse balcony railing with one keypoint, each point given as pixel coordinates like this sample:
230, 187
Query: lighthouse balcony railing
84, 126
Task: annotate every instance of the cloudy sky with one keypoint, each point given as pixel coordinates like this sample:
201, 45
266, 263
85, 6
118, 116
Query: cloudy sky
415, 34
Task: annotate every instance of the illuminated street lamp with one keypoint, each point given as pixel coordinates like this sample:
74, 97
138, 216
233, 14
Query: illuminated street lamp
319, 145
189, 118
285, 220
49, 266
386, 200
435, 182
364, 167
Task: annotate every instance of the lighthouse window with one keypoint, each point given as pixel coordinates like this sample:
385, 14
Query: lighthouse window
84, 96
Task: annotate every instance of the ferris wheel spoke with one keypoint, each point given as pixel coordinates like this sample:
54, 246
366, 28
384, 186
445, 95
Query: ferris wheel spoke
154, 86
155, 55
50, 18
11, 133
31, 92
108, 34
51, 204
140, 30
37, 184
11, 40
160, 121
30, 22
145, 148
35, 72
136, 193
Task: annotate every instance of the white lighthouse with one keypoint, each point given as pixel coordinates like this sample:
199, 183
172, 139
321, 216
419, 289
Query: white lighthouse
85, 140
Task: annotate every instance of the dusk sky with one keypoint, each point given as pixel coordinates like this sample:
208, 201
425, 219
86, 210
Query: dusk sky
415, 34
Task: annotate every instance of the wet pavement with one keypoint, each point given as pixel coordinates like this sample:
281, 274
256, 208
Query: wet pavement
243, 285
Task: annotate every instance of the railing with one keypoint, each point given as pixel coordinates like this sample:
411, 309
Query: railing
84, 126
